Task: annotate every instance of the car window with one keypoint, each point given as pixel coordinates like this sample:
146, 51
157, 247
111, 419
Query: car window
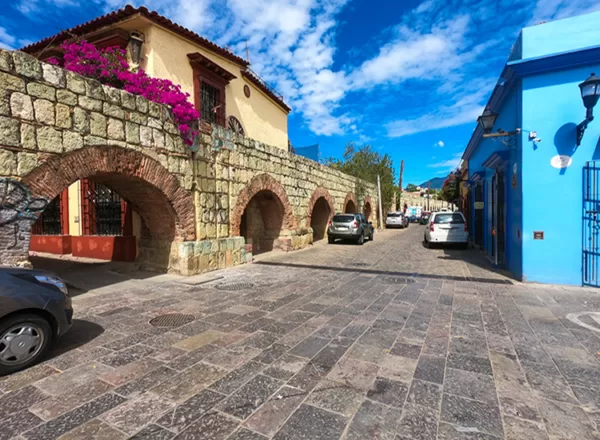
394, 214
449, 218
343, 218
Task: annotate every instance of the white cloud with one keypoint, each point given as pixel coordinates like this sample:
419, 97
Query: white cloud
7, 41
439, 144
448, 164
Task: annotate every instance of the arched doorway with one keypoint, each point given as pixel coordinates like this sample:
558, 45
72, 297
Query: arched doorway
166, 210
350, 204
262, 211
368, 208
320, 211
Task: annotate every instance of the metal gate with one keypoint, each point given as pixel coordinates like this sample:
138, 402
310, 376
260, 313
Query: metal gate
102, 210
591, 224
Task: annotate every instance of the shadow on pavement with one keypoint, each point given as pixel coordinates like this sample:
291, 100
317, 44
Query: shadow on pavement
80, 333
391, 273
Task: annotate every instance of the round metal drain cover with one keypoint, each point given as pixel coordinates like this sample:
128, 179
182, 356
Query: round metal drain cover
172, 320
235, 286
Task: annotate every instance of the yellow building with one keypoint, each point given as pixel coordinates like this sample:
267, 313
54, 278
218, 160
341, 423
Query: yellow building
222, 86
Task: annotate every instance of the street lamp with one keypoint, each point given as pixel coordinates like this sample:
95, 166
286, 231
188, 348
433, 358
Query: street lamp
136, 40
590, 92
487, 120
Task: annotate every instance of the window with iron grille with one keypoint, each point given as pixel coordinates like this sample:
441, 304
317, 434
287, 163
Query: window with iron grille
49, 222
102, 210
212, 108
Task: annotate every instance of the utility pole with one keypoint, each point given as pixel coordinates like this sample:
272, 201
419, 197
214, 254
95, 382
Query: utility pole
379, 203
428, 195
400, 182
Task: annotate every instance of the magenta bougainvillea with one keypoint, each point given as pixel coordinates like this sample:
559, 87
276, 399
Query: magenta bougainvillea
110, 67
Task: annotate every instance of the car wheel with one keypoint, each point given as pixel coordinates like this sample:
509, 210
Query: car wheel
464, 245
361, 240
330, 240
24, 340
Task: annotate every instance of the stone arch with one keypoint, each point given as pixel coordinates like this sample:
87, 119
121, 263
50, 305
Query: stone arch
350, 203
166, 208
320, 211
258, 184
368, 207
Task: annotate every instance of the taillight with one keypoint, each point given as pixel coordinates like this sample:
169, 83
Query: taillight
466, 228
330, 223
431, 227
355, 225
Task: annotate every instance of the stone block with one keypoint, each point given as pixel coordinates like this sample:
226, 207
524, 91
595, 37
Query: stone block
91, 104
155, 123
9, 131
8, 163
81, 120
97, 124
54, 75
27, 65
141, 104
28, 140
44, 112
116, 129
75, 83
138, 118
112, 95
26, 162
93, 89
6, 62
4, 103
146, 136
40, 90
72, 141
21, 106
94, 141
132, 132
128, 100
63, 116
49, 139
159, 138
65, 96
113, 110
154, 109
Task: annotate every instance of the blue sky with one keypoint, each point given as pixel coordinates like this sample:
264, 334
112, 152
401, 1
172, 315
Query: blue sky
406, 76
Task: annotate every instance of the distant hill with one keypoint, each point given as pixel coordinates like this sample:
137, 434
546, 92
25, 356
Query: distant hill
436, 183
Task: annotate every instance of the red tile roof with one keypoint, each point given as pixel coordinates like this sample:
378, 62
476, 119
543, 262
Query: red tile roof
127, 12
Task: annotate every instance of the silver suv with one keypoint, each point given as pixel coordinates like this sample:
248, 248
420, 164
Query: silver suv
396, 219
350, 227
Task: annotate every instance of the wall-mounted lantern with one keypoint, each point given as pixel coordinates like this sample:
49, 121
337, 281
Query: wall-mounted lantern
590, 92
487, 120
136, 41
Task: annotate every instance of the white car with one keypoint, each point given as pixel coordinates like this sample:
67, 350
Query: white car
447, 228
396, 219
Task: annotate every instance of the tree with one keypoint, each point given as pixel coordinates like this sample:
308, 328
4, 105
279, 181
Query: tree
411, 187
365, 163
450, 191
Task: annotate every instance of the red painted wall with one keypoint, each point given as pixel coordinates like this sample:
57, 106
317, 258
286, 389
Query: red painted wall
52, 244
114, 248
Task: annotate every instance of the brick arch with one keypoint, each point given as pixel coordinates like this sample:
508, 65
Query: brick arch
368, 203
155, 194
262, 182
318, 193
350, 197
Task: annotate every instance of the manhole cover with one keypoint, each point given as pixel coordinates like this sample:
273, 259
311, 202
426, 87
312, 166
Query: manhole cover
171, 320
589, 320
241, 285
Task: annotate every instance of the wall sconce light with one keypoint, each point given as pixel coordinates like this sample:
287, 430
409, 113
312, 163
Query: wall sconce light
136, 41
487, 120
590, 92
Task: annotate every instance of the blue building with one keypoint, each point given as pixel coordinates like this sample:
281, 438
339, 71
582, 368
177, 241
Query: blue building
534, 193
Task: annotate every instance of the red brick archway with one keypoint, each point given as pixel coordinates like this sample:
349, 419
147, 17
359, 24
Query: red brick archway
320, 211
155, 194
368, 207
260, 184
350, 203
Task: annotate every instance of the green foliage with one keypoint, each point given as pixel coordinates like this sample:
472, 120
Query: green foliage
411, 187
450, 191
365, 163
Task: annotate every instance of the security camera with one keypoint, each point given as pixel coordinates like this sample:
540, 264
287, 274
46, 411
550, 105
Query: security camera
538, 140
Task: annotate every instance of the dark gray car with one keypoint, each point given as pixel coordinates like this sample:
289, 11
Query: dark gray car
35, 309
350, 227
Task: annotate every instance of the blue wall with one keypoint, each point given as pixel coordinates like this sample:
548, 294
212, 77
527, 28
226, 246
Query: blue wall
552, 198
561, 35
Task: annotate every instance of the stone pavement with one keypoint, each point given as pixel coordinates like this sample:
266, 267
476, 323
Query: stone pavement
385, 341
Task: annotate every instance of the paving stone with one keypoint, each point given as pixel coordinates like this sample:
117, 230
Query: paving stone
471, 414
351, 372
232, 357
369, 353
387, 391
431, 368
373, 421
16, 423
19, 400
406, 350
200, 340
309, 347
271, 354
71, 420
188, 383
26, 377
245, 434
191, 358
470, 363
127, 355
380, 338
451, 432
424, 393
138, 412
566, 421
131, 371
248, 398
232, 381
212, 426
182, 416
94, 430
55, 406
272, 415
153, 432
193, 328
286, 367
311, 423
76, 357
518, 429
551, 387
397, 368
471, 385
83, 374
146, 382
336, 397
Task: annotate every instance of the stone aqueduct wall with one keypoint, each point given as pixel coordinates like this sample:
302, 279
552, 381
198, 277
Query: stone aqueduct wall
57, 127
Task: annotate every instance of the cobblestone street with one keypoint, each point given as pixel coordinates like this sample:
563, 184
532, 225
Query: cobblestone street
385, 341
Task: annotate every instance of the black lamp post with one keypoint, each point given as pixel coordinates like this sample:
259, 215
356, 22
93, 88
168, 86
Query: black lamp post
487, 120
136, 40
590, 92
